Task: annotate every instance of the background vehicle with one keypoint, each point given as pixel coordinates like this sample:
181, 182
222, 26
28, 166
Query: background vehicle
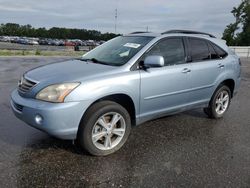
33, 41
69, 43
127, 81
5, 39
22, 41
43, 42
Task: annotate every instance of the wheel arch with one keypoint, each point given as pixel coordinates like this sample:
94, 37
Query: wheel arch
123, 99
229, 83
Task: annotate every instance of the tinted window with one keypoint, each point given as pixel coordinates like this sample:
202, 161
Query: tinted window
213, 54
199, 49
171, 49
221, 53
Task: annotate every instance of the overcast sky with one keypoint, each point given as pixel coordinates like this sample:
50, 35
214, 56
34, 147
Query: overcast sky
133, 15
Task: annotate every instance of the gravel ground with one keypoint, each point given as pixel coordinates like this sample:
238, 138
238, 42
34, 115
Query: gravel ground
184, 150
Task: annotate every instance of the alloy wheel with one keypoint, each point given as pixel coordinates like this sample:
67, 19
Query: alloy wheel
222, 102
108, 131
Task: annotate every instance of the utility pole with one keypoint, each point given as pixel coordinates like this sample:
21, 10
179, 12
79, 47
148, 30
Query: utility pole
115, 19
147, 29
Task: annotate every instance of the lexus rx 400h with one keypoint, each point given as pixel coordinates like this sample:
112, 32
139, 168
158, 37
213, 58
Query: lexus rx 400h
126, 81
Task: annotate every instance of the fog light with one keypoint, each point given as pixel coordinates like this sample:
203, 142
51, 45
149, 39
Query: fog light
38, 119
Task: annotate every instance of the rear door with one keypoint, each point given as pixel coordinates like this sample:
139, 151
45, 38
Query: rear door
206, 66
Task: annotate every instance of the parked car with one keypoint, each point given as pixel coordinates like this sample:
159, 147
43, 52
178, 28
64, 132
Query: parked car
4, 39
58, 42
43, 41
69, 43
77, 42
33, 42
14, 39
90, 43
127, 81
22, 41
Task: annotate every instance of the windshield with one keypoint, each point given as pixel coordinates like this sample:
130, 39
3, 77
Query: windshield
117, 51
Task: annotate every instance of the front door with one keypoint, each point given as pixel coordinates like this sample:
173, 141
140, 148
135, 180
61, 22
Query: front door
165, 89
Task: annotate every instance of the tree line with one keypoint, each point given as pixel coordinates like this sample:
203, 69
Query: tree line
13, 29
238, 33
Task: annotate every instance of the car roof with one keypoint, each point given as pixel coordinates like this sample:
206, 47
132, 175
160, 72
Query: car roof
205, 36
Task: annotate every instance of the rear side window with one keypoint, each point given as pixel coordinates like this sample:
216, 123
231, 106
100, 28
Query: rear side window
171, 49
199, 49
213, 54
221, 53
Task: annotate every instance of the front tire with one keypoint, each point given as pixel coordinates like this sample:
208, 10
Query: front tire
105, 128
219, 102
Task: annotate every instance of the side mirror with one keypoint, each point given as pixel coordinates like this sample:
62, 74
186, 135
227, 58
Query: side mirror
153, 61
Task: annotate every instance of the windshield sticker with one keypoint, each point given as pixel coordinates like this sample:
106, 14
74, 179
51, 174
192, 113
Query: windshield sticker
132, 45
124, 54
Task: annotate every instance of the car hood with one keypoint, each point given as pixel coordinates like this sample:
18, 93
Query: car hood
72, 70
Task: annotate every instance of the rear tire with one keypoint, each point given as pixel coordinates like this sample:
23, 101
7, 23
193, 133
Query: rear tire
219, 102
104, 129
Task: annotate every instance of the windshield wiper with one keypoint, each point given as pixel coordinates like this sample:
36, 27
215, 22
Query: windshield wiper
94, 60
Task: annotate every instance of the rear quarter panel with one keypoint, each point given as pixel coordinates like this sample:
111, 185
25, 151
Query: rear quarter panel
231, 71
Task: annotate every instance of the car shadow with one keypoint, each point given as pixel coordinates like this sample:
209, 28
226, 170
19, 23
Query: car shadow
198, 113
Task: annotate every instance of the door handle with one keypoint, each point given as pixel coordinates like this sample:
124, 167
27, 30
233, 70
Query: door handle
186, 70
221, 66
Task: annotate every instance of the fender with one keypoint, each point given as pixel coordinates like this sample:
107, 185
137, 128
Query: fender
127, 83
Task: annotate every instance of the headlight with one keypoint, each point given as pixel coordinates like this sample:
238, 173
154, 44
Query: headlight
57, 92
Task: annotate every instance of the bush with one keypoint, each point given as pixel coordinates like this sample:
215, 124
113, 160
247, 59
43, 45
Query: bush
38, 52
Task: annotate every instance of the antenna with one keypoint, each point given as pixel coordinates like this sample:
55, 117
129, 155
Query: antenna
115, 19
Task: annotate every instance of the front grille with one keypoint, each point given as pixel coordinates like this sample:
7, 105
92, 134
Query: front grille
18, 107
24, 85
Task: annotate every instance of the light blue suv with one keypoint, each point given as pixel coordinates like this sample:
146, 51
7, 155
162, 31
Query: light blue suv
127, 81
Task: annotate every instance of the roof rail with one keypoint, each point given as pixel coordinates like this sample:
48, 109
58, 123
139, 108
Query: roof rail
139, 32
188, 32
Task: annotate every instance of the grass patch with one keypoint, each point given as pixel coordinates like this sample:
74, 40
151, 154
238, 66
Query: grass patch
40, 53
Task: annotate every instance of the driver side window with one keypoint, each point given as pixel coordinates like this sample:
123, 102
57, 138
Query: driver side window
172, 50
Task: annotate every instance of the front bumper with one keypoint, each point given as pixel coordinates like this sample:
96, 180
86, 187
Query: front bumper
58, 119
